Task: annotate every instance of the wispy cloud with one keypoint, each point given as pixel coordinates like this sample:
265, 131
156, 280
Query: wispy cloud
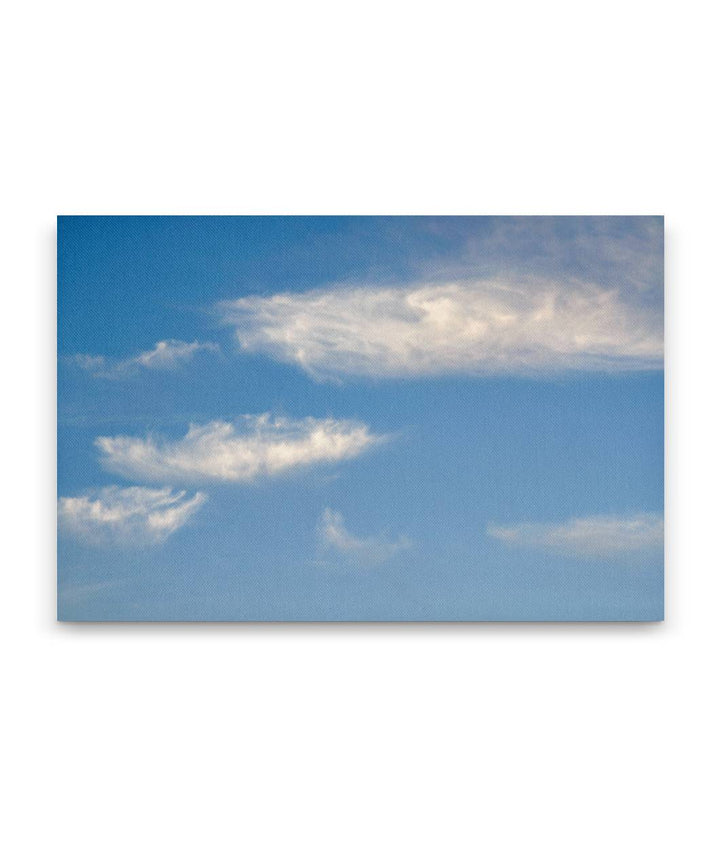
166, 355
587, 537
624, 252
83, 591
242, 451
489, 326
335, 537
134, 516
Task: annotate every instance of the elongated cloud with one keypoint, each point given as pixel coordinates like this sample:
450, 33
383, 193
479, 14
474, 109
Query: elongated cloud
254, 446
166, 355
370, 550
483, 327
587, 537
131, 515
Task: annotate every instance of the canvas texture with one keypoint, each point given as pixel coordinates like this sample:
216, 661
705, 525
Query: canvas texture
360, 418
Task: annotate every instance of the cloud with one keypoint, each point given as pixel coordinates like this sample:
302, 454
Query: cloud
252, 447
166, 355
336, 538
83, 591
587, 537
622, 252
132, 515
489, 327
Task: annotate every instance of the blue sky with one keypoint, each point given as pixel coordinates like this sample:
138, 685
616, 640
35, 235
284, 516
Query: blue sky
360, 418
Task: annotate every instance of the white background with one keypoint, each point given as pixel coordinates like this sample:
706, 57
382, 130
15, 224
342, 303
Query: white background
359, 739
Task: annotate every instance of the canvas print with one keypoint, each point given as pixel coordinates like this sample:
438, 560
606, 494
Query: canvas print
360, 418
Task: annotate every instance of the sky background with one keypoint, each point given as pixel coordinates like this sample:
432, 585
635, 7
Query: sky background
409, 528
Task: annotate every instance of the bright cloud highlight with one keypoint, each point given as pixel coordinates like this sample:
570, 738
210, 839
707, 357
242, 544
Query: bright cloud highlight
134, 516
243, 451
588, 537
334, 536
166, 355
484, 327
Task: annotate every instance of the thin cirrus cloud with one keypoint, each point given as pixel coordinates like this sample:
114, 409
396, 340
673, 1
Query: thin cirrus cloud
252, 447
489, 326
598, 536
135, 516
164, 356
334, 537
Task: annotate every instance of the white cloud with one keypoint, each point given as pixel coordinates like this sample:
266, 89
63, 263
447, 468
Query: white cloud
237, 452
588, 537
131, 515
490, 326
371, 550
166, 355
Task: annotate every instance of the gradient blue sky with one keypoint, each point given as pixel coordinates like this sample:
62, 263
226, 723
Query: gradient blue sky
532, 491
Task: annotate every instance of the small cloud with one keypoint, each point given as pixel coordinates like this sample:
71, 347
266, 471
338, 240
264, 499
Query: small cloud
132, 516
84, 591
94, 365
165, 356
598, 536
334, 537
241, 451
171, 352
